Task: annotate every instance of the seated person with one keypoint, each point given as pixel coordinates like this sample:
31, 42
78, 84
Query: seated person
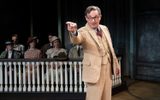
76, 52
32, 52
9, 52
16, 45
56, 51
47, 46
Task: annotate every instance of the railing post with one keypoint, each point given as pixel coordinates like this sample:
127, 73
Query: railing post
61, 77
70, 77
38, 77
52, 77
75, 76
43, 88
47, 76
24, 76
19, 77
6, 76
1, 77
57, 74
15, 76
80, 76
10, 76
33, 76
29, 76
66, 77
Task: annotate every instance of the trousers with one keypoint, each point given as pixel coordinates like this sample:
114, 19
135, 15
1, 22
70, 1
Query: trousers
102, 90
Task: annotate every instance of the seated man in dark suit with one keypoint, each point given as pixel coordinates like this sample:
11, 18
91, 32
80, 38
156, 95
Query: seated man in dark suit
9, 53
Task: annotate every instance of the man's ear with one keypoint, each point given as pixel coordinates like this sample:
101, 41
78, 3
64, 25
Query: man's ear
86, 18
100, 17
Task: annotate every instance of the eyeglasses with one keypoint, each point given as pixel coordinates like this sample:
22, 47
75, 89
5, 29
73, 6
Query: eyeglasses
93, 18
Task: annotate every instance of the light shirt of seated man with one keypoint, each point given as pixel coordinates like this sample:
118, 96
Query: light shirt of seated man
76, 52
16, 45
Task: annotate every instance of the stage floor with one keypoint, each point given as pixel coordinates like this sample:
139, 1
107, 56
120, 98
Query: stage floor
139, 90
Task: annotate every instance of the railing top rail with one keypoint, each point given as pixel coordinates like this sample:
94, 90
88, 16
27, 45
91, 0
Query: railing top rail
44, 59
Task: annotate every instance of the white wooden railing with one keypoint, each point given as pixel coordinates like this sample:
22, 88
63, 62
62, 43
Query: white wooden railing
45, 75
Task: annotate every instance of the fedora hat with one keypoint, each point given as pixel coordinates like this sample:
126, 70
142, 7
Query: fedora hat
8, 43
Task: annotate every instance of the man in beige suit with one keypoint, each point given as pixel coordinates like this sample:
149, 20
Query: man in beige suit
99, 61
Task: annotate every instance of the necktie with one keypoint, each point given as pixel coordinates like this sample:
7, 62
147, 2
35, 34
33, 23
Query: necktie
99, 32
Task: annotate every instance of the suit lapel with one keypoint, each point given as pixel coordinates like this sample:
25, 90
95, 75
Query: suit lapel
93, 35
109, 41
106, 34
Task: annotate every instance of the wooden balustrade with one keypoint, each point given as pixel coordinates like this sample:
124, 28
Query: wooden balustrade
44, 75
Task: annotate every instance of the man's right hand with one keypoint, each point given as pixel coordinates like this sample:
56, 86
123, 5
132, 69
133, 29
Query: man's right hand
71, 26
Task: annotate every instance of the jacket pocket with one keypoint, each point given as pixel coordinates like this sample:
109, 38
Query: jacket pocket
90, 74
86, 63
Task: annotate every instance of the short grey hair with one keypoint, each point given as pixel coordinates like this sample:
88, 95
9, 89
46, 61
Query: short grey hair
91, 8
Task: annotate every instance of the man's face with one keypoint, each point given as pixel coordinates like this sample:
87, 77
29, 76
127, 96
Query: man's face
93, 19
14, 38
9, 47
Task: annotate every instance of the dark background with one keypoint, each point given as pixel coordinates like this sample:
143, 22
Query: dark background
134, 26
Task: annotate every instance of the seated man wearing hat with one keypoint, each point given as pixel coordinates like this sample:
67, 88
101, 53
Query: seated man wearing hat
9, 53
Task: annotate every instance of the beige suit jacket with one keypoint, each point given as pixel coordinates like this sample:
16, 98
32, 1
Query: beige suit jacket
92, 60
